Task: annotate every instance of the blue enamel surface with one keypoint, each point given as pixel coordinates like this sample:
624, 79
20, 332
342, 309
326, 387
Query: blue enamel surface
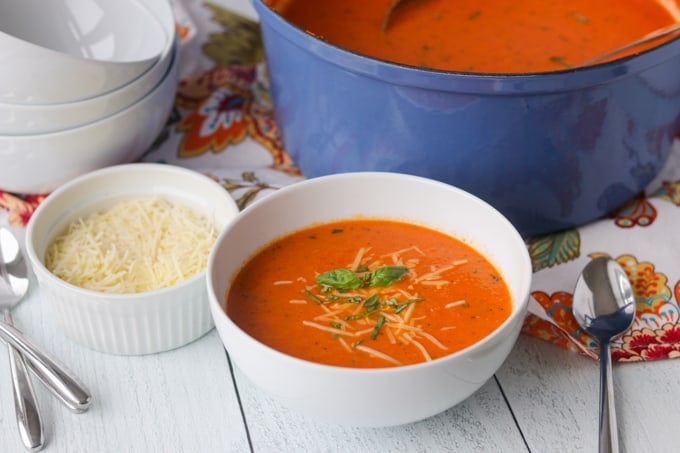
550, 151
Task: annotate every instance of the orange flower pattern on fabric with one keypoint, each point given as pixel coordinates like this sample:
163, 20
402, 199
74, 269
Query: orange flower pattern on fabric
229, 104
565, 331
637, 212
20, 208
221, 100
545, 331
652, 294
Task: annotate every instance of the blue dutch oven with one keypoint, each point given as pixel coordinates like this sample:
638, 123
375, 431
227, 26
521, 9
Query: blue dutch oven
549, 150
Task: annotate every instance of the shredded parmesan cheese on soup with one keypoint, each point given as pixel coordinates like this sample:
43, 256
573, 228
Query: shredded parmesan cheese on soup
134, 246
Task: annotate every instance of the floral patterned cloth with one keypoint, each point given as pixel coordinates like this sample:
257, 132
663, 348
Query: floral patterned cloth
223, 125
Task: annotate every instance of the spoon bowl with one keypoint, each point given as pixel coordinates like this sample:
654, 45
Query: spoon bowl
604, 306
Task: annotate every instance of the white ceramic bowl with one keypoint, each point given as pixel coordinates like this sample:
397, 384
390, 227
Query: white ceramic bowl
55, 52
24, 119
40, 163
370, 397
140, 323
28, 119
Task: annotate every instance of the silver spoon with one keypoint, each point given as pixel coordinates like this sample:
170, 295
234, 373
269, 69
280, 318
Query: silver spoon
55, 376
604, 306
13, 287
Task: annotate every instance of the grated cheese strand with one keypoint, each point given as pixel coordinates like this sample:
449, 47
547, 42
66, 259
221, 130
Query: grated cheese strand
378, 354
327, 328
433, 340
456, 303
357, 259
418, 345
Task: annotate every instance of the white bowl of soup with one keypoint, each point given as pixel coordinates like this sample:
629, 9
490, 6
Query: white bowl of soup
369, 298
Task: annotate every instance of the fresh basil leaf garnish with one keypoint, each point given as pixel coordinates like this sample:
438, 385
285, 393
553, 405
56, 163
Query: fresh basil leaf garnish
400, 307
378, 326
386, 275
340, 279
312, 296
391, 302
372, 302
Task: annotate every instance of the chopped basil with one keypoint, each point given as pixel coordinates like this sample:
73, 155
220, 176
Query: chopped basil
559, 60
340, 279
385, 276
365, 314
378, 326
372, 302
400, 307
311, 295
353, 299
391, 302
346, 279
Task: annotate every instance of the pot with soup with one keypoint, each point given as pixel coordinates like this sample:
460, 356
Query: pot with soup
491, 97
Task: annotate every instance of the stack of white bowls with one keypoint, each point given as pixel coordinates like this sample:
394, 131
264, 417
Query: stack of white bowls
84, 84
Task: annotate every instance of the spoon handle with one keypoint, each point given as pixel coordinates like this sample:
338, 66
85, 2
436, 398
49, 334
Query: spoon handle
25, 403
55, 376
609, 437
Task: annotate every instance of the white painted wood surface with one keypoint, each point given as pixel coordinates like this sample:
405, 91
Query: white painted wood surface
543, 399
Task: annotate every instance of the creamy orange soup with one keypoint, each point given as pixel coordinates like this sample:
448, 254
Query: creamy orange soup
368, 294
493, 36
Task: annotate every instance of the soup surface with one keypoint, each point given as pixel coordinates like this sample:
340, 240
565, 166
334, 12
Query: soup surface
495, 36
368, 293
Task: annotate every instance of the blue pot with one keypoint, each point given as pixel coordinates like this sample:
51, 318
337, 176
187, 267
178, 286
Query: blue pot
549, 150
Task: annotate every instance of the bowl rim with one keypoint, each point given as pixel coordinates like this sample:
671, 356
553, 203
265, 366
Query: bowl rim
519, 310
172, 67
159, 14
167, 56
143, 169
454, 81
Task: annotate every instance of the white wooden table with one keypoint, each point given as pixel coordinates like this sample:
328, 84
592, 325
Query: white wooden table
543, 399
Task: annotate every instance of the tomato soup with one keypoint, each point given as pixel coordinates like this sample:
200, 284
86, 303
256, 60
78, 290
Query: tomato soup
495, 36
368, 293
